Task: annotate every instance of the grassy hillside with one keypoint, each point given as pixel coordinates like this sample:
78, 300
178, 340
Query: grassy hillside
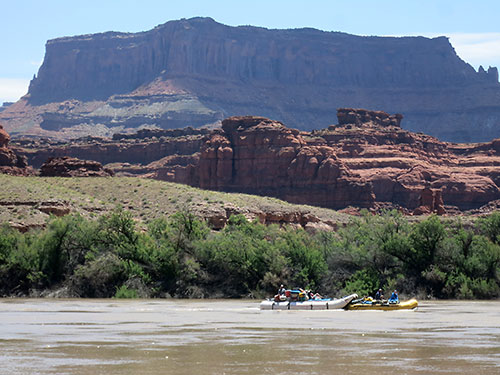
22, 197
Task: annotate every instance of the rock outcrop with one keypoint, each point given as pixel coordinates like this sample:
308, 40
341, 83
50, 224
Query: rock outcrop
10, 161
367, 160
145, 147
5, 105
257, 155
66, 166
431, 201
359, 165
197, 71
363, 117
218, 217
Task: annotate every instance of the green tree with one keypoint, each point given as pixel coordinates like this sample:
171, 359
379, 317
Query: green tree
425, 238
240, 257
305, 258
490, 226
18, 262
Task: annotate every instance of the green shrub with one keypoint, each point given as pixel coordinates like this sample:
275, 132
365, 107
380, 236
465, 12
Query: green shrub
304, 257
483, 259
99, 277
125, 292
19, 262
179, 256
425, 238
490, 227
363, 282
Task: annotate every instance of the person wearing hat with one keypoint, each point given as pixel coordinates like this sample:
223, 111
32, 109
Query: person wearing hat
281, 290
379, 296
281, 296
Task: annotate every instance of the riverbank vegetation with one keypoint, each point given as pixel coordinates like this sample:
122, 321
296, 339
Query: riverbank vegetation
179, 256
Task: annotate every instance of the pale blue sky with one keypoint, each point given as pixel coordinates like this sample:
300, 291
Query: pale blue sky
25, 26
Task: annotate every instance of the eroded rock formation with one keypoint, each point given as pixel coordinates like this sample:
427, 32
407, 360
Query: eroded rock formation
367, 160
66, 166
257, 155
197, 71
363, 117
145, 147
10, 161
217, 217
354, 165
430, 201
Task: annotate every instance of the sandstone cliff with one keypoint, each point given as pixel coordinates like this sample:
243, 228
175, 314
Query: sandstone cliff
10, 161
197, 71
366, 160
354, 163
146, 146
72, 167
254, 154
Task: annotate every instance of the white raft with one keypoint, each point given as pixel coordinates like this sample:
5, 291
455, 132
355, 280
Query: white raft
325, 304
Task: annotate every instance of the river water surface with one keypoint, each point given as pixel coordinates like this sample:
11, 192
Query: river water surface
40, 336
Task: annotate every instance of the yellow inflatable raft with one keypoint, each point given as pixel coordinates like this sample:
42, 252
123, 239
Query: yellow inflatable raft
382, 305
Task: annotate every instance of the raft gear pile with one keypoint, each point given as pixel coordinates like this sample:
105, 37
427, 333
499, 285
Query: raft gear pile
299, 299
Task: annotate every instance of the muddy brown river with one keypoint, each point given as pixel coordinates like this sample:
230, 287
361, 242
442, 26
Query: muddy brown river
39, 336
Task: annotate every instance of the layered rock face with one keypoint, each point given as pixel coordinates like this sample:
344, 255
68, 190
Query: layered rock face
11, 162
146, 146
361, 164
197, 71
259, 156
72, 167
414, 170
363, 117
367, 160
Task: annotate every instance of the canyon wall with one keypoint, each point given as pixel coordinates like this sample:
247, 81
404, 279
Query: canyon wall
11, 162
98, 66
145, 146
366, 160
197, 71
260, 156
364, 164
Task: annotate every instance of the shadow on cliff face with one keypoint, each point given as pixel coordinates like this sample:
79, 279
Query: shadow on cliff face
367, 160
296, 76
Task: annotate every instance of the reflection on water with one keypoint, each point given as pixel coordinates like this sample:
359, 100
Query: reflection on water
235, 337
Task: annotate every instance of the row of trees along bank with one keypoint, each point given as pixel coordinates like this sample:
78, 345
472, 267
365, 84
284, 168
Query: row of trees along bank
180, 257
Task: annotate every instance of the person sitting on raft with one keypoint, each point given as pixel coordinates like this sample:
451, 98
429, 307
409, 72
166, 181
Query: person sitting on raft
394, 297
281, 296
282, 290
314, 296
379, 296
